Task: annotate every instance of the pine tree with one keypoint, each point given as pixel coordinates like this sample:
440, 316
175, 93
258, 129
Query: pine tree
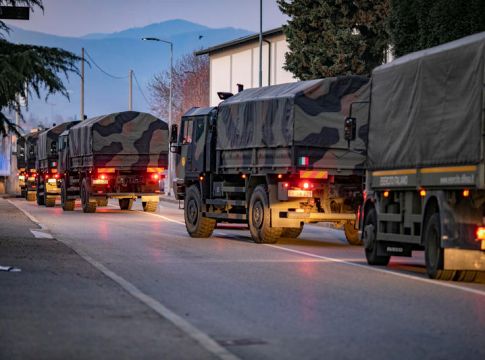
26, 69
420, 24
335, 37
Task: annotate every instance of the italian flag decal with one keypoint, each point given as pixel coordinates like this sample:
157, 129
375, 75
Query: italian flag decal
303, 161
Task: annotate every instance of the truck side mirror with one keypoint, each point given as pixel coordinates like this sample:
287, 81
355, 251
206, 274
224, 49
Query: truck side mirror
350, 129
174, 146
173, 134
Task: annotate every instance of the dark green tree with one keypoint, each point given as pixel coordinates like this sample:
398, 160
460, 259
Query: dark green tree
335, 37
419, 24
26, 70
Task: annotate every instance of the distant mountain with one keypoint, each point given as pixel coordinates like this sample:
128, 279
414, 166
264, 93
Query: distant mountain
117, 53
172, 27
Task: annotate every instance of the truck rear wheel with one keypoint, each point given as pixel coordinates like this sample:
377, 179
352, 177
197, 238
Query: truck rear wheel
31, 196
125, 204
370, 240
198, 226
150, 206
291, 233
352, 234
67, 205
433, 252
102, 202
49, 201
260, 218
40, 198
88, 205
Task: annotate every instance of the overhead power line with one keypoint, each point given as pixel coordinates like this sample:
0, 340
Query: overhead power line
102, 70
139, 89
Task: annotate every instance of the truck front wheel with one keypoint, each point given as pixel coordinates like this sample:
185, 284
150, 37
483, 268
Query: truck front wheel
125, 204
370, 240
259, 218
291, 233
433, 252
198, 226
351, 233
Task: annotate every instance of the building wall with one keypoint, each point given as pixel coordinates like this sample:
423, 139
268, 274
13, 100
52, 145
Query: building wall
240, 65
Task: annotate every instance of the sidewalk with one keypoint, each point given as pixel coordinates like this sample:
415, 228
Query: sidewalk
60, 307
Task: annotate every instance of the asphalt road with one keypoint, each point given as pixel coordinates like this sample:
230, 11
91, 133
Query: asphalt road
311, 298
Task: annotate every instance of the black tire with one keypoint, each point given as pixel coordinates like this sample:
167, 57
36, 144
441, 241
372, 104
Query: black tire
197, 226
88, 205
40, 198
150, 206
67, 205
49, 201
259, 218
369, 236
291, 233
125, 204
433, 252
102, 202
352, 234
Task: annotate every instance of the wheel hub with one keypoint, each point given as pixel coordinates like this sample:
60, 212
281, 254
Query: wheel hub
192, 212
258, 215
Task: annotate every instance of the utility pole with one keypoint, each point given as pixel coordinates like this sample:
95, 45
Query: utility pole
130, 91
82, 84
260, 43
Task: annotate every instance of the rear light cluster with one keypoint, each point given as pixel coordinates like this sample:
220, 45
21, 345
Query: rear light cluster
304, 185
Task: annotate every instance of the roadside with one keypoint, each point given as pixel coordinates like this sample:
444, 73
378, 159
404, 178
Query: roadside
61, 307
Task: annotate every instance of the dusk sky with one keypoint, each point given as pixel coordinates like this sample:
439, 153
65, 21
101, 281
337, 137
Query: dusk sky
76, 18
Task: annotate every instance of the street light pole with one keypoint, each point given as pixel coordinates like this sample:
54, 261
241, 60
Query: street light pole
170, 155
260, 43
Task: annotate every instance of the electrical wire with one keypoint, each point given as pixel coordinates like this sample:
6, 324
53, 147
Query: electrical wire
140, 90
102, 70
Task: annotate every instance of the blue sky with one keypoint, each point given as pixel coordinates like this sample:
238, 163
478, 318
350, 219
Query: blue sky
80, 17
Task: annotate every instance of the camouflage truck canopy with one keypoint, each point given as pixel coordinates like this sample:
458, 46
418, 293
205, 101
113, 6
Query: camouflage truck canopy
427, 107
47, 140
127, 138
31, 148
306, 113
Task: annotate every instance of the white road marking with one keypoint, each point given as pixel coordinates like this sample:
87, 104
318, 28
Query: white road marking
367, 267
199, 336
41, 234
30, 216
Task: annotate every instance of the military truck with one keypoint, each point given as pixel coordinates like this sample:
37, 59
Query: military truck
273, 158
30, 155
425, 185
121, 155
21, 166
48, 178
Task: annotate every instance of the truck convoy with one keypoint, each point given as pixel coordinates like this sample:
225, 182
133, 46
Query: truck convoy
21, 166
30, 173
48, 179
274, 158
121, 155
426, 172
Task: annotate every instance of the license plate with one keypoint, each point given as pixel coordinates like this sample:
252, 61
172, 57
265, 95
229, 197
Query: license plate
300, 193
31, 178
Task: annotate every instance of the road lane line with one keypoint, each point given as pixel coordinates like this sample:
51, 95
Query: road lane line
367, 267
41, 234
30, 216
154, 214
199, 336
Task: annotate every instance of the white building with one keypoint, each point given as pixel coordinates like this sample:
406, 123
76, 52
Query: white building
237, 62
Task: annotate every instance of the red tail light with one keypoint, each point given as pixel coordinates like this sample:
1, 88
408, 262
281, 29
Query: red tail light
480, 233
103, 176
155, 176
